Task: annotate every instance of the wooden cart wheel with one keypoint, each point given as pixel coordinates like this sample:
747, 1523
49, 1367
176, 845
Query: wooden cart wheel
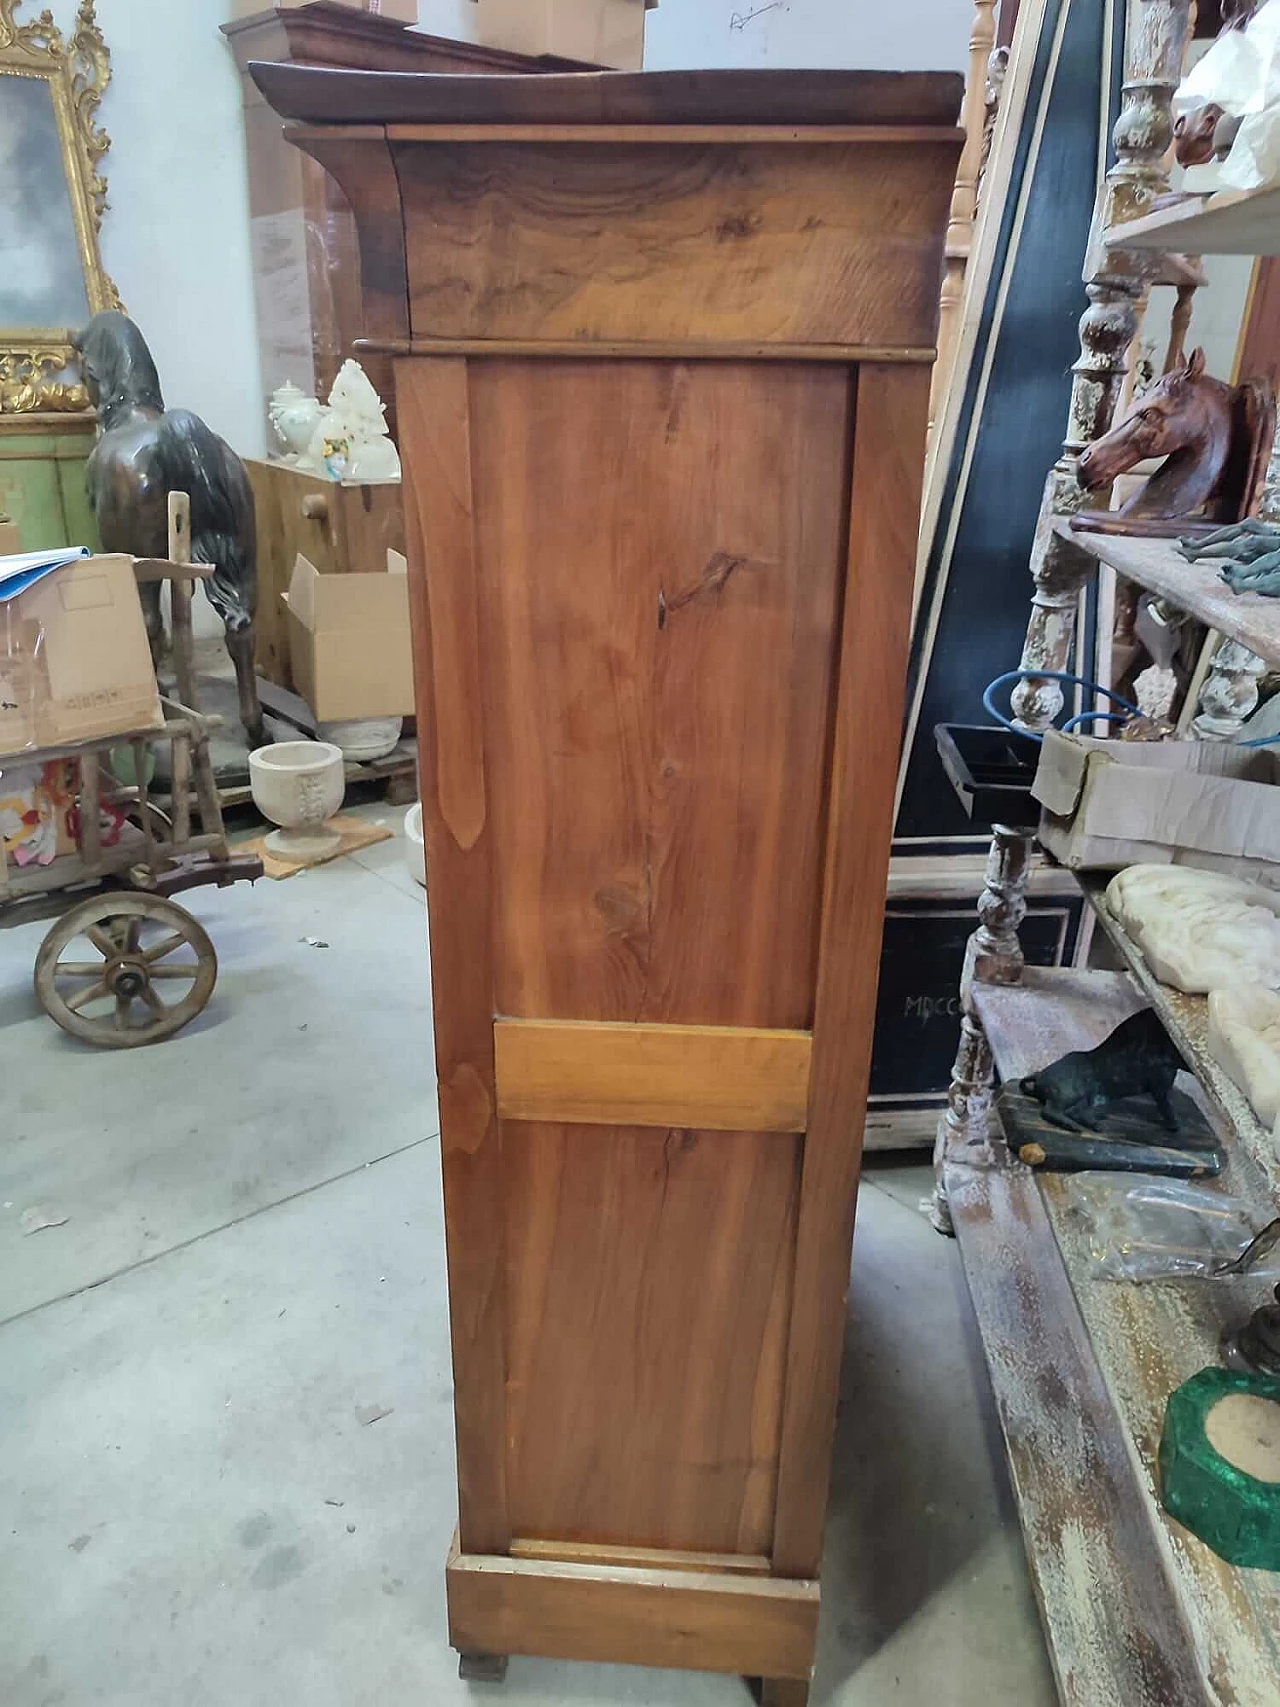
122, 970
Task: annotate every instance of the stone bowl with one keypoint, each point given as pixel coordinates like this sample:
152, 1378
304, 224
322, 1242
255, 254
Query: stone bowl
415, 847
363, 742
298, 785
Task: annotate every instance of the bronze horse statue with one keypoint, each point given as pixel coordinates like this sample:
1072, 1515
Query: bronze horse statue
143, 453
1215, 439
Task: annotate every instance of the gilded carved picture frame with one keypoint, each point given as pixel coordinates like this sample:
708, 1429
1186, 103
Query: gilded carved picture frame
52, 198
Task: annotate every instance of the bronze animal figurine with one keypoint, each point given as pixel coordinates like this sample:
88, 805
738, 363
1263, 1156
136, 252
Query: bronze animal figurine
1137, 1059
1252, 550
1215, 439
143, 453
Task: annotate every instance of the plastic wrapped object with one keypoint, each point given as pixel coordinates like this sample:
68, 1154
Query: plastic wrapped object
1241, 74
1161, 1229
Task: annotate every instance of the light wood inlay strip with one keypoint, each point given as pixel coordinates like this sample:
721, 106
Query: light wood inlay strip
718, 1078
640, 1558
679, 350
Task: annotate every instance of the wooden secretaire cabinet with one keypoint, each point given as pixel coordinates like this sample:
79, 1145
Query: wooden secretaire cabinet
663, 374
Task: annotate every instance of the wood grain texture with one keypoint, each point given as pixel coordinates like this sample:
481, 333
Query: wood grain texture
714, 1077
435, 430
645, 1352
888, 463
1115, 1636
745, 242
754, 1626
721, 97
657, 782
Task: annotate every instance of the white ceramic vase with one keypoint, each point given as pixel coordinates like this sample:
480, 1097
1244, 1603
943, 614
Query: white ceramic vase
298, 785
294, 416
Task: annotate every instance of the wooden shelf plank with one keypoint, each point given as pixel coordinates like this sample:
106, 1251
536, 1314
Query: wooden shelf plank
1117, 1636
1197, 588
1085, 1366
1232, 222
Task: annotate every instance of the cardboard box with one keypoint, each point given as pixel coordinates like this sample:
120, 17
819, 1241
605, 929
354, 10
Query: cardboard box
74, 659
349, 643
10, 538
399, 11
598, 32
1113, 803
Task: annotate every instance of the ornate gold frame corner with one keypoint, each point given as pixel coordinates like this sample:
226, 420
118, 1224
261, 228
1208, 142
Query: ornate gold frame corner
34, 360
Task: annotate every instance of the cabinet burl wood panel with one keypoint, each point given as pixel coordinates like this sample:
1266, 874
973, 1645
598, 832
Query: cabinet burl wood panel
662, 370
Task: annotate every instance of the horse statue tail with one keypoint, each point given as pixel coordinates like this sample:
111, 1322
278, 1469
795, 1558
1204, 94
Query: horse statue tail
192, 458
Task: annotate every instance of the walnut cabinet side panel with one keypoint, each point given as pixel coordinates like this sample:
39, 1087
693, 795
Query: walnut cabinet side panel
660, 613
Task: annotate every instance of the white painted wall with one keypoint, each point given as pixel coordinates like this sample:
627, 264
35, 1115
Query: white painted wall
176, 235
911, 35
904, 35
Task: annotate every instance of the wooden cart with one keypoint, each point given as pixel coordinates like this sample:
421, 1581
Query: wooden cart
124, 964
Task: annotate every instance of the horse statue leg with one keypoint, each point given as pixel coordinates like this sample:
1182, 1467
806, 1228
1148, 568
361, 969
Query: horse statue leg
240, 648
152, 616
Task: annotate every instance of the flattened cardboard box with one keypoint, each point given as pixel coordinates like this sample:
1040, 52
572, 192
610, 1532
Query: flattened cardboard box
596, 32
399, 11
1203, 803
74, 659
10, 538
349, 644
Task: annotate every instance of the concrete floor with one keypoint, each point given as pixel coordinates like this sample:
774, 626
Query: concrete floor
194, 1511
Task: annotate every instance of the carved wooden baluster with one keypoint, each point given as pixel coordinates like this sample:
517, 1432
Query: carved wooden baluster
964, 202
993, 955
1179, 325
1116, 283
1229, 697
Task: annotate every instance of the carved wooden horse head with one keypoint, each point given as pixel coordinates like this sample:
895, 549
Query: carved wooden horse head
1215, 439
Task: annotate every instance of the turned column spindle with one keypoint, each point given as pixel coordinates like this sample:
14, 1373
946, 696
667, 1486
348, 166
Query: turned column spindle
1116, 285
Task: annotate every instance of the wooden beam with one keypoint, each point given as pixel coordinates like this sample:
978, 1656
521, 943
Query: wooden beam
806, 135
435, 425
689, 1621
716, 1078
648, 350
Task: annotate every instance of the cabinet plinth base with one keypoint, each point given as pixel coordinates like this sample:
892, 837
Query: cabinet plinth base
764, 1627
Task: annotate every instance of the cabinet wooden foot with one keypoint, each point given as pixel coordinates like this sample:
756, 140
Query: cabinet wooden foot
482, 1668
779, 1691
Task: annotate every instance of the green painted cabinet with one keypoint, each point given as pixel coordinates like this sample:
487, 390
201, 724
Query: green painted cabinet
42, 460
